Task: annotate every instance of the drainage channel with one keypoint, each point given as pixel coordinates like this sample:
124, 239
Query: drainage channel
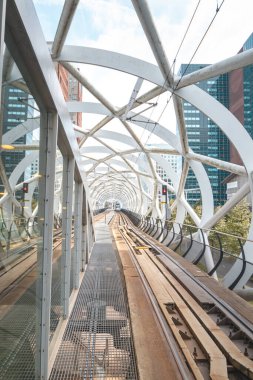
98, 343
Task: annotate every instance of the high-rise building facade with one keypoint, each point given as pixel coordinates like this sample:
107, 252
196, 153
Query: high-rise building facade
175, 163
205, 137
241, 105
72, 90
15, 111
241, 97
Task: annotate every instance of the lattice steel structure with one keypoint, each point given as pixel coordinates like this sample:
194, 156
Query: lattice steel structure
27, 62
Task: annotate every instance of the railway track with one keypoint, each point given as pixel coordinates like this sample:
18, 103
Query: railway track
215, 342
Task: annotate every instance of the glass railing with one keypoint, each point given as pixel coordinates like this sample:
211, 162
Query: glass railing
19, 236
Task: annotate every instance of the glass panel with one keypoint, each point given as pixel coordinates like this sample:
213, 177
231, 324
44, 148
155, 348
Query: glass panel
19, 234
56, 303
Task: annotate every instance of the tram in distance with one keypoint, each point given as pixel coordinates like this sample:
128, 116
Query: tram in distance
117, 206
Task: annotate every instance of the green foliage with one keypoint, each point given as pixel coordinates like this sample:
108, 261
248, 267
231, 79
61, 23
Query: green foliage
236, 222
34, 204
188, 219
174, 212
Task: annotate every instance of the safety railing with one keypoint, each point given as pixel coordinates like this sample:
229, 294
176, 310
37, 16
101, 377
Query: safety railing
98, 211
19, 235
196, 244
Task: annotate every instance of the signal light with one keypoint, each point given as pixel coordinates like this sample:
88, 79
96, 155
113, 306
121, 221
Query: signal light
164, 189
25, 187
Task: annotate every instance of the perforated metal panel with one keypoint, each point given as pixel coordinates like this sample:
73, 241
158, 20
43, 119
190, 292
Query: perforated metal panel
97, 343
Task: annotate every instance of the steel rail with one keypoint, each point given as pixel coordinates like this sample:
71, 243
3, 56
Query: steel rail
172, 343
241, 322
200, 256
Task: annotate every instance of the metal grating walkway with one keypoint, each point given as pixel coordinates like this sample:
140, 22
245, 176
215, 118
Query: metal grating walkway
97, 343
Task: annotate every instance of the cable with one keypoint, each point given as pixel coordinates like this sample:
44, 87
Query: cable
194, 53
171, 69
187, 29
209, 26
173, 66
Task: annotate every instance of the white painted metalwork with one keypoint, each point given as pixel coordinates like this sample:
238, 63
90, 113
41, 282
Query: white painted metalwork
68, 180
48, 140
2, 31
67, 15
107, 163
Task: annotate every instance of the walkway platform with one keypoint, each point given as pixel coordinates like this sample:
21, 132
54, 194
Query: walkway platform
97, 343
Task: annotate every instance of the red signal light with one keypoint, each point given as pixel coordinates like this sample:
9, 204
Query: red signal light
25, 187
164, 189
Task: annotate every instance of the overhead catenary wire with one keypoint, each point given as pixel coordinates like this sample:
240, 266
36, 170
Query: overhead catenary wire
173, 90
185, 34
171, 69
200, 42
193, 55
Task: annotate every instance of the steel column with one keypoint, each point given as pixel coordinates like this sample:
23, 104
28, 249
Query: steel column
48, 142
84, 249
88, 235
84, 234
87, 243
78, 232
2, 31
67, 181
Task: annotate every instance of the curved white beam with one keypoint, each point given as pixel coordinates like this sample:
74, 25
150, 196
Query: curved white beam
172, 140
21, 167
112, 60
21, 130
221, 116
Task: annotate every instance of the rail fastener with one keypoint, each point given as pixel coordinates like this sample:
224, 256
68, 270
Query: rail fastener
140, 248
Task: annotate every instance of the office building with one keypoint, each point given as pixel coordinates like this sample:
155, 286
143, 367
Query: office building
72, 90
175, 163
241, 105
205, 137
15, 111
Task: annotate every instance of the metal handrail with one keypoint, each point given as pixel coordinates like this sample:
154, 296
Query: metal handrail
148, 227
162, 228
168, 244
196, 261
210, 230
211, 272
157, 226
190, 246
181, 238
232, 286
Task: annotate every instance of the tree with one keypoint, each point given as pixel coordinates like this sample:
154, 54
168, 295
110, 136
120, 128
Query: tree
236, 222
188, 219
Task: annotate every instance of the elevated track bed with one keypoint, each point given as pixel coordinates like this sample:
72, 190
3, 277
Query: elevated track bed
211, 326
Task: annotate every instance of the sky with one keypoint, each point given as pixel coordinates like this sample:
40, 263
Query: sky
113, 25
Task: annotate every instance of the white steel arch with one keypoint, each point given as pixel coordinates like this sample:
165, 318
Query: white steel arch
135, 180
